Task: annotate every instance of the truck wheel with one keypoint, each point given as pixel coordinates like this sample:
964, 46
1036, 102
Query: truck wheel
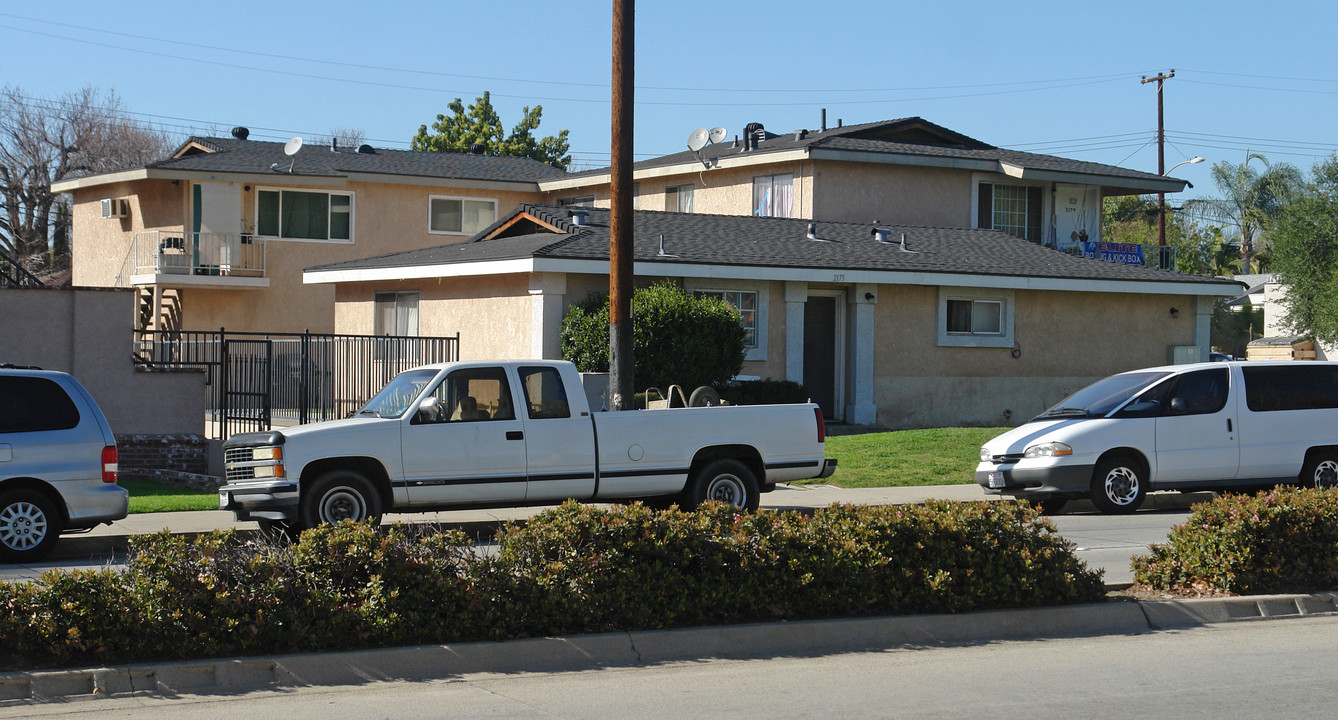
29, 526
340, 495
1118, 485
1321, 471
727, 481
704, 396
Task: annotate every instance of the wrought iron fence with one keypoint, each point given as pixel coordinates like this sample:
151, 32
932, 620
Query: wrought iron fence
255, 381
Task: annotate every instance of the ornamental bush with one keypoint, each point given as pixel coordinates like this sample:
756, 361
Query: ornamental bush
573, 569
677, 338
1279, 541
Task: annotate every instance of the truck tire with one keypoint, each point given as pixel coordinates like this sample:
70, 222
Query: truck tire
728, 481
704, 396
1321, 471
1119, 485
29, 526
340, 495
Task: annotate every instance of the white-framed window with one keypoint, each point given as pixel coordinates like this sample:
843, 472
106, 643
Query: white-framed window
773, 195
578, 201
318, 215
750, 298
459, 215
678, 199
396, 313
975, 317
1015, 209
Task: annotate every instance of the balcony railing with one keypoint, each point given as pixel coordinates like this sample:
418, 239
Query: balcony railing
172, 252
1154, 256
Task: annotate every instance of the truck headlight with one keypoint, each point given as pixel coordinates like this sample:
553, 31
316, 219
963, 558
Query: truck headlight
1050, 449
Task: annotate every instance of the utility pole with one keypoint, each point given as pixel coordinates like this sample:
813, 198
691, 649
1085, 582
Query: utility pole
621, 387
1161, 153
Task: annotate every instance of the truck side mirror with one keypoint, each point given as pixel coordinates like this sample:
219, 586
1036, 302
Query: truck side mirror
429, 411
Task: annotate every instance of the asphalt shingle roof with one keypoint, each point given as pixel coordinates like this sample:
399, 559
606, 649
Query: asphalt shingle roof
255, 156
905, 136
746, 241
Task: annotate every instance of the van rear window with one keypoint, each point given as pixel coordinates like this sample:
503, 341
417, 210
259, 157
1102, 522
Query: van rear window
1291, 387
30, 404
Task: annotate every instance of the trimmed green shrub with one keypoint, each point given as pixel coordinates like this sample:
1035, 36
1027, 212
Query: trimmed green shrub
677, 339
763, 392
573, 569
1278, 541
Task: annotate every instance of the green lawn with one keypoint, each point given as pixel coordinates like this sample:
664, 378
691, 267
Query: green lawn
148, 497
939, 456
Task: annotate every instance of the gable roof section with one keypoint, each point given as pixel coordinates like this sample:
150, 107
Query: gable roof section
913, 141
772, 248
254, 157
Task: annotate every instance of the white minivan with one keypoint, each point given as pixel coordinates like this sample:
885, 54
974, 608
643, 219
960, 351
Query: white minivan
1206, 426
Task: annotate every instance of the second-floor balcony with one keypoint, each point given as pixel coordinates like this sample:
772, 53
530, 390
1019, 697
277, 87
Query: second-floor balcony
176, 258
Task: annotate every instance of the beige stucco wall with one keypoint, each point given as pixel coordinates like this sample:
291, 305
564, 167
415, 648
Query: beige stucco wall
1067, 340
719, 191
87, 332
387, 218
491, 313
892, 194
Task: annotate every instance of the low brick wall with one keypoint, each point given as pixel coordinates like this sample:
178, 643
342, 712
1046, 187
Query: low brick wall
180, 460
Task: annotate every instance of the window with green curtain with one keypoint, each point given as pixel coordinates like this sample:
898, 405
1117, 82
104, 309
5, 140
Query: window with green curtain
303, 215
306, 215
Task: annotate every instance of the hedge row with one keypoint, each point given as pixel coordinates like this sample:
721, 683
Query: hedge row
573, 569
1279, 541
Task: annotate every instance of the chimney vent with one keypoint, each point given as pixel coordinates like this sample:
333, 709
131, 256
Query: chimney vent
240, 132
477, 149
578, 216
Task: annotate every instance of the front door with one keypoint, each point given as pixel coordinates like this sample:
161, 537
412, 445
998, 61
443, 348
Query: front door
820, 350
1196, 429
472, 450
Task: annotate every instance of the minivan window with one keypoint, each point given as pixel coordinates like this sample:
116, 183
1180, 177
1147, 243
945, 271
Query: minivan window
1203, 392
1102, 396
31, 404
1298, 387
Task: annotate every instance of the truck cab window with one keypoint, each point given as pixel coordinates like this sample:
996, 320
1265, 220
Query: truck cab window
545, 397
474, 395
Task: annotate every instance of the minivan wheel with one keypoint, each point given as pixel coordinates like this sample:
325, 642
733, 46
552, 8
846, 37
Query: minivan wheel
340, 495
1118, 485
1321, 471
29, 526
727, 481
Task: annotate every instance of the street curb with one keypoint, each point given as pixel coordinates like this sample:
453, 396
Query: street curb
586, 652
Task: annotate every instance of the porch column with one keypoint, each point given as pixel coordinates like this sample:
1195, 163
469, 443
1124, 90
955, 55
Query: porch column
860, 409
796, 294
1203, 325
547, 291
155, 321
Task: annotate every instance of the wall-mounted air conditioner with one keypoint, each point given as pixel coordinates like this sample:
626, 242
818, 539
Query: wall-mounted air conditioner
116, 207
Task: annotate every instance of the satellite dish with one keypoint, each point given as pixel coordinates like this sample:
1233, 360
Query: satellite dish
697, 140
292, 146
718, 134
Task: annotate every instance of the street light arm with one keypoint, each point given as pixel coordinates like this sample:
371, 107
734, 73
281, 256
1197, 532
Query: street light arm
1192, 161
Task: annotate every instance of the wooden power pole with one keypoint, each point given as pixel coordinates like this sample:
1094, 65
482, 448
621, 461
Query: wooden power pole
1161, 154
621, 387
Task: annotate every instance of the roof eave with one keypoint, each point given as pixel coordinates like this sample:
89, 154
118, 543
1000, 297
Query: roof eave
1139, 185
756, 157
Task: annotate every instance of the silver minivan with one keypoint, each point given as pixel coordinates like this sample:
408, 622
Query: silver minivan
58, 463
1206, 426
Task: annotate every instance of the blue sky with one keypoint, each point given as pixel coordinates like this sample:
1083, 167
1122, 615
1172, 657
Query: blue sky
1050, 77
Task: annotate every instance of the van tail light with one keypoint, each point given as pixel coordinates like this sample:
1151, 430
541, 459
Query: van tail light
822, 425
109, 465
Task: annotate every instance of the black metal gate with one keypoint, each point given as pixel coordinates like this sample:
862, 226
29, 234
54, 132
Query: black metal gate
256, 381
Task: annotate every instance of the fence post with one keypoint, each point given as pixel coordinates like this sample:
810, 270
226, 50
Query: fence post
303, 377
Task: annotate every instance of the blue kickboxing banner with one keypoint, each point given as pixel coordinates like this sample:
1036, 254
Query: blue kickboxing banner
1126, 253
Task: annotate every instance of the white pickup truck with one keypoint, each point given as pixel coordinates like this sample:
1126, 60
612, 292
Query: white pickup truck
495, 434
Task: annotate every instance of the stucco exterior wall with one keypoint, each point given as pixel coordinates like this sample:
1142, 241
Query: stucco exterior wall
719, 191
491, 313
100, 247
893, 194
1066, 340
87, 332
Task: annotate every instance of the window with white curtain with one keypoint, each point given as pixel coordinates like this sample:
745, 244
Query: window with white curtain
396, 314
459, 215
773, 195
678, 199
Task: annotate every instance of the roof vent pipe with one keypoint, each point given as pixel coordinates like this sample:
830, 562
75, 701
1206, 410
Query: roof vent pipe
884, 235
334, 144
840, 122
241, 133
813, 233
578, 217
823, 125
800, 134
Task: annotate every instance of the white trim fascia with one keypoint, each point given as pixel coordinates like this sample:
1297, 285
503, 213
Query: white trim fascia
742, 159
224, 282
1144, 185
89, 181
502, 185
904, 159
418, 272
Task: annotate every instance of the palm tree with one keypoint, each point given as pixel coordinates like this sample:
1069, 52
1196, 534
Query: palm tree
1250, 200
